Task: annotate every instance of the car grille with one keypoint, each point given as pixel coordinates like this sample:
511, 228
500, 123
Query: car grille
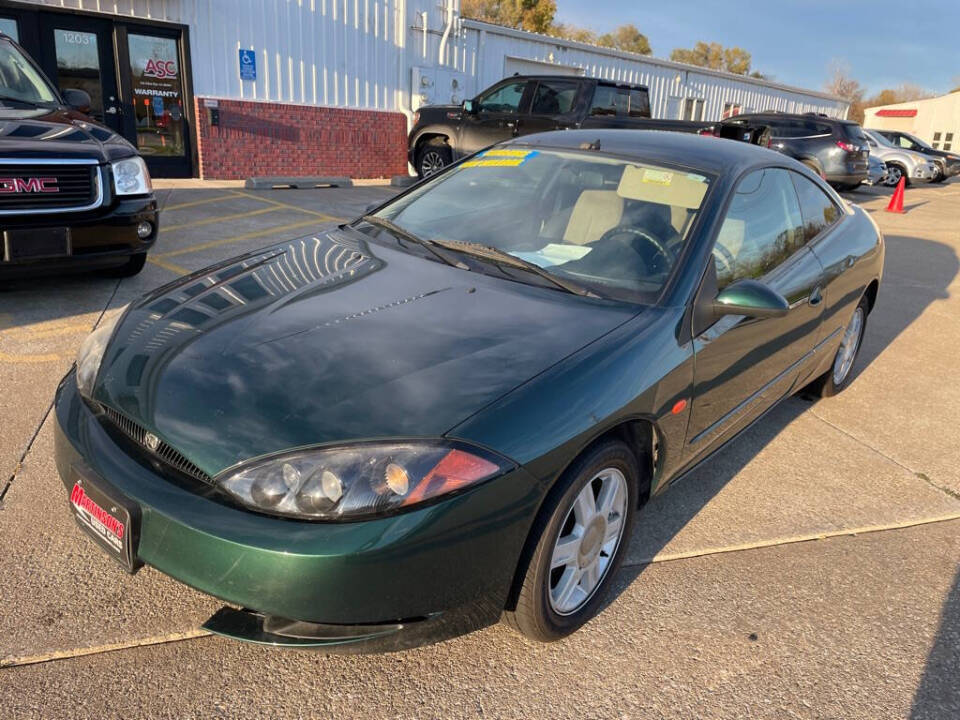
78, 187
164, 452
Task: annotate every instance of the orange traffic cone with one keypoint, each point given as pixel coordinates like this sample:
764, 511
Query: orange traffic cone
896, 202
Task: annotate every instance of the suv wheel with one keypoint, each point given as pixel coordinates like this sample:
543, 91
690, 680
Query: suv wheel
434, 155
894, 173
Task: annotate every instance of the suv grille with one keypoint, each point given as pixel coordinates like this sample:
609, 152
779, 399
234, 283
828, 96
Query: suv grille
164, 452
67, 187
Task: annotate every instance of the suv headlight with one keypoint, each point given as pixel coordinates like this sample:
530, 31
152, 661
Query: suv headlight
360, 481
91, 353
131, 177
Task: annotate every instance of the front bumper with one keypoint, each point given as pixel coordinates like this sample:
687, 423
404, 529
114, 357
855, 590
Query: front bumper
102, 239
436, 572
926, 171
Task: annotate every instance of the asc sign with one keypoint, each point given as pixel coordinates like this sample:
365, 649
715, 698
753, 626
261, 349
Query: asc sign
160, 69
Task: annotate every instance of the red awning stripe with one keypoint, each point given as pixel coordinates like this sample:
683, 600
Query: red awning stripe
896, 113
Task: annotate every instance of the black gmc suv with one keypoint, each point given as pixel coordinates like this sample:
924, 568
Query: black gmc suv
836, 149
73, 194
525, 104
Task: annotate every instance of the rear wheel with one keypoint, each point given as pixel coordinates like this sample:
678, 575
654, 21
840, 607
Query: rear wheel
580, 539
841, 371
434, 156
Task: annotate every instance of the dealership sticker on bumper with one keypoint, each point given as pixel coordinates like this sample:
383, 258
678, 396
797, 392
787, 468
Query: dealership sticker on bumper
107, 520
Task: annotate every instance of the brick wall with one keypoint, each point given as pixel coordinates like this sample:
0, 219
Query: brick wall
257, 138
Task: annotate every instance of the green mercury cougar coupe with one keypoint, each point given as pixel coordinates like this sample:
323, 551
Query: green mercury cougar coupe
449, 410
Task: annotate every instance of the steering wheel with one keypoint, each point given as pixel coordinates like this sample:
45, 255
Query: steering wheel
658, 246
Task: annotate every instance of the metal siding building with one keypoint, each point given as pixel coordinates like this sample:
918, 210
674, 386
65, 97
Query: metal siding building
336, 80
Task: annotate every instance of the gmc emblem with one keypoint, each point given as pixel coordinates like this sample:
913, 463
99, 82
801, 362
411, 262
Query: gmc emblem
29, 185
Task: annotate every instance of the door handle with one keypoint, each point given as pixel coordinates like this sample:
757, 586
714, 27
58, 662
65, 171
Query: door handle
111, 110
816, 297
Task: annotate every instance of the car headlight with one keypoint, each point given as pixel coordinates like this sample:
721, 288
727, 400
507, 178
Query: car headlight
91, 353
360, 481
131, 177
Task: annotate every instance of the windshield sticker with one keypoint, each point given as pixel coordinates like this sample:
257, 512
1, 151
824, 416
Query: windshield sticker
501, 158
659, 177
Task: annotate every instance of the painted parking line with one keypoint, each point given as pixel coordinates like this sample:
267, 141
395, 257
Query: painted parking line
220, 218
287, 206
172, 267
30, 359
238, 238
194, 203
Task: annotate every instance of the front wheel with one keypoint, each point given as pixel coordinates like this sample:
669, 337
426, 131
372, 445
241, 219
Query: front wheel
433, 157
894, 173
580, 543
841, 371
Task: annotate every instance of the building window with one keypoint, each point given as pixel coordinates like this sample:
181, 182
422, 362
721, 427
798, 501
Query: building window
730, 109
948, 141
693, 109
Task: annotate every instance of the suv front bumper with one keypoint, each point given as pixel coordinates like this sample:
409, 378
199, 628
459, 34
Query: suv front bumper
103, 239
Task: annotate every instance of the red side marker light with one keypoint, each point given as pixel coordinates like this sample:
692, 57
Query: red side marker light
678, 407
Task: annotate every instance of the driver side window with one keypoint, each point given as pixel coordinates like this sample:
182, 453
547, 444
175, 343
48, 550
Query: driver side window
503, 99
763, 227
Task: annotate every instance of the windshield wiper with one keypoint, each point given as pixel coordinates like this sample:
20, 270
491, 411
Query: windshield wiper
11, 98
409, 236
500, 257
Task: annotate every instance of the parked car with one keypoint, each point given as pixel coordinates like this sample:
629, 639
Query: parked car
876, 172
948, 163
73, 194
453, 406
525, 104
834, 149
900, 162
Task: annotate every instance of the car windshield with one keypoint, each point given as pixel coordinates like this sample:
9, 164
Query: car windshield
880, 140
614, 226
917, 141
19, 80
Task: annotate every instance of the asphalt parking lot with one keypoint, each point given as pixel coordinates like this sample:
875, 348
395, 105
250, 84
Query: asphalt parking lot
811, 570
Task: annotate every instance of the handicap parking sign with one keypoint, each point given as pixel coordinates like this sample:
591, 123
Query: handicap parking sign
248, 65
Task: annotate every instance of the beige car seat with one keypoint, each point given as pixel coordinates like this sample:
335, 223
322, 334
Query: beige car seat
595, 212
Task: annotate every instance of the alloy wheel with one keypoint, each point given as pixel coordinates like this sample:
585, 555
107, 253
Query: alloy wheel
893, 175
848, 348
588, 541
431, 163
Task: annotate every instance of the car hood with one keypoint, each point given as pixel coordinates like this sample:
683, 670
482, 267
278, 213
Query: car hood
27, 133
328, 339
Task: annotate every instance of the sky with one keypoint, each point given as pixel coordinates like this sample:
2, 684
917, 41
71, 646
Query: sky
885, 43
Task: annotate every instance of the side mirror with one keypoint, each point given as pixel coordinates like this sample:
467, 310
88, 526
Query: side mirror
750, 298
77, 99
468, 107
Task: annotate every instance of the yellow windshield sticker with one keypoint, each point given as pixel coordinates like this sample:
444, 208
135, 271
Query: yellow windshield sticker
501, 158
660, 177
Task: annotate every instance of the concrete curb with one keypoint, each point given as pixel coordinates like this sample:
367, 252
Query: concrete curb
403, 181
270, 183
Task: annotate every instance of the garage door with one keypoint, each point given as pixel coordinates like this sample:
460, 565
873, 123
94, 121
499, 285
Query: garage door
523, 66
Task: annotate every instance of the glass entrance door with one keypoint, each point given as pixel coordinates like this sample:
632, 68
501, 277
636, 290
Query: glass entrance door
82, 59
157, 110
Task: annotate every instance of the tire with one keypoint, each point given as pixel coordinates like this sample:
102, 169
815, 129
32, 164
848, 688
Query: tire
940, 176
894, 173
432, 157
838, 377
543, 611
131, 267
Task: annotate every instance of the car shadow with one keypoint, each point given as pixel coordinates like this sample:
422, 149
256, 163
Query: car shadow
918, 273
939, 693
